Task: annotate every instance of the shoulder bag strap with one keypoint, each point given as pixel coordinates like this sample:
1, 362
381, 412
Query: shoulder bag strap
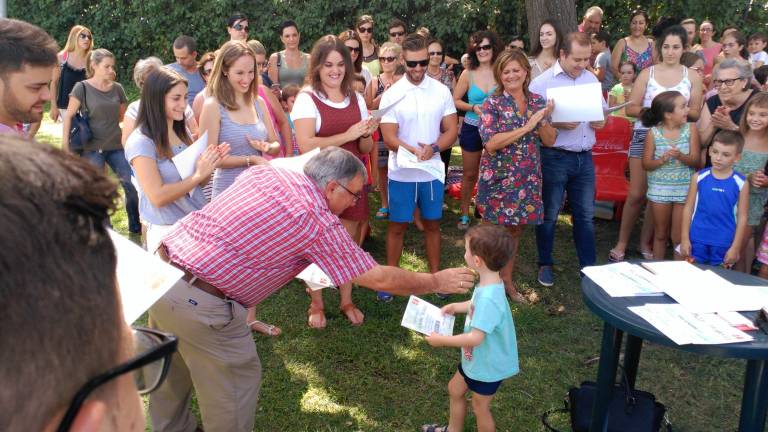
84, 105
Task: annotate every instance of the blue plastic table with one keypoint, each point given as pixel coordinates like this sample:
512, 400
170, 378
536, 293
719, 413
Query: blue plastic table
619, 320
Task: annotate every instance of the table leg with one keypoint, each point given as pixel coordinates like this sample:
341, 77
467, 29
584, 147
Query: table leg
632, 358
754, 400
606, 377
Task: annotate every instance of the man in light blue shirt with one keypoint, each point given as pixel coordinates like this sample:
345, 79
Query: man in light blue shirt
185, 52
567, 166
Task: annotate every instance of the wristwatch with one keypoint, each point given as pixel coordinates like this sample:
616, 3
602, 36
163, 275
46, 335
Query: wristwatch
435, 147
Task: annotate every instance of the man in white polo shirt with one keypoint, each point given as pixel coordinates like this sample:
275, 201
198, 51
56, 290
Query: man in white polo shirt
424, 122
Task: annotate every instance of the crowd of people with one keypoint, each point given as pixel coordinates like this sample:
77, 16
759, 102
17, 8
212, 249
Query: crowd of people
240, 229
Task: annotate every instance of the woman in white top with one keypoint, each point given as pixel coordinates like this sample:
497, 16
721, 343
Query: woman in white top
546, 48
668, 75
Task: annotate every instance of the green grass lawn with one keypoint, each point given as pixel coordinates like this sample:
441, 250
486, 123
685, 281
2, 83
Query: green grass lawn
383, 377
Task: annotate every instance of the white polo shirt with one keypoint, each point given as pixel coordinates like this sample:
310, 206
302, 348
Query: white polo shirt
418, 116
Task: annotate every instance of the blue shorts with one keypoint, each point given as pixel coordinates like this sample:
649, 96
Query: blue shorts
708, 254
469, 138
480, 387
405, 196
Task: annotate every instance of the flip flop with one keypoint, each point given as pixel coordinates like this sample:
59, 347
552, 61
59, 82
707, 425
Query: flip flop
350, 310
382, 214
434, 428
615, 256
264, 328
463, 224
315, 311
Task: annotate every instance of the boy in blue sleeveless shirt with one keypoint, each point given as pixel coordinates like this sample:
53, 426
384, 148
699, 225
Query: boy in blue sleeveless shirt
715, 213
488, 344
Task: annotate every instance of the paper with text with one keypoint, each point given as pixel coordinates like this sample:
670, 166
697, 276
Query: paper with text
434, 166
685, 327
581, 103
624, 279
426, 318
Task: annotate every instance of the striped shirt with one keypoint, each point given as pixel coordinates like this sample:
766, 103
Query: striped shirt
261, 232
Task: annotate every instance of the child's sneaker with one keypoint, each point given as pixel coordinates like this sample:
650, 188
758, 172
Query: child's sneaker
384, 297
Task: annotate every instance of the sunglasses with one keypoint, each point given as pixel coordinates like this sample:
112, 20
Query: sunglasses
240, 27
487, 47
353, 49
435, 53
368, 30
387, 59
85, 36
414, 63
396, 34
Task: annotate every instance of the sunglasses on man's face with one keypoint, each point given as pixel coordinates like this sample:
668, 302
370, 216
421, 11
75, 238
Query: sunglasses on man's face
414, 63
241, 27
396, 34
85, 36
368, 30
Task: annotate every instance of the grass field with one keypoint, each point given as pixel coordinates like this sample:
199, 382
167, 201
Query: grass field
382, 377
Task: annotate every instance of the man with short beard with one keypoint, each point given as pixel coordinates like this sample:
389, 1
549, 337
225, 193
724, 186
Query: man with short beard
27, 57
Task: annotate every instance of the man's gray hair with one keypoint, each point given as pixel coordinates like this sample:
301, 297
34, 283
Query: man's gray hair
334, 163
143, 68
745, 70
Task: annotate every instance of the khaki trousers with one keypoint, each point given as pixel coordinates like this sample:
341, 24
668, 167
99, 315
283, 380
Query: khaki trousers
216, 356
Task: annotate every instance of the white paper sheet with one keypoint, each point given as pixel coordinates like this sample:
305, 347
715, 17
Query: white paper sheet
379, 113
581, 103
186, 161
624, 280
142, 278
296, 163
315, 277
434, 166
684, 327
426, 318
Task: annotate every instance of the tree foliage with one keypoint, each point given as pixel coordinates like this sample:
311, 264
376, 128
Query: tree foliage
133, 29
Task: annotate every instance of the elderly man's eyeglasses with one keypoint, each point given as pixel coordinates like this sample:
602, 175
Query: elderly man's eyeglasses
150, 365
356, 196
727, 82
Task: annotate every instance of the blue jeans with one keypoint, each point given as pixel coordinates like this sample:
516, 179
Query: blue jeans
116, 160
572, 172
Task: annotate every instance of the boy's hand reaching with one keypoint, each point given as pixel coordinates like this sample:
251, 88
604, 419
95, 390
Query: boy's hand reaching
449, 309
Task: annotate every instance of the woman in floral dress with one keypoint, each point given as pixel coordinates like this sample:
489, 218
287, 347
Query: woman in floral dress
512, 127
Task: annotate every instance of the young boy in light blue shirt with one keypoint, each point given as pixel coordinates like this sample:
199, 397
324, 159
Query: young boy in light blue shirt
488, 344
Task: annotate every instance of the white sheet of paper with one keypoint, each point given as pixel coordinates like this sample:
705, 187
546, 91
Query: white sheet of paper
379, 113
315, 277
684, 327
142, 278
434, 166
624, 279
426, 318
296, 163
581, 103
185, 161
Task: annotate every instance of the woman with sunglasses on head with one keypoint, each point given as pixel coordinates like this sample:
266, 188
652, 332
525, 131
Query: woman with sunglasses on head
438, 70
288, 66
389, 58
370, 53
477, 83
72, 60
237, 27
328, 113
355, 46
204, 66
546, 48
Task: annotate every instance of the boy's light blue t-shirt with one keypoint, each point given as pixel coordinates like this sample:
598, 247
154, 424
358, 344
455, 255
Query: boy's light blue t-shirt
496, 357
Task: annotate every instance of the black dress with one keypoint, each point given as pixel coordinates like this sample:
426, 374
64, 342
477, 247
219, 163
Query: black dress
69, 77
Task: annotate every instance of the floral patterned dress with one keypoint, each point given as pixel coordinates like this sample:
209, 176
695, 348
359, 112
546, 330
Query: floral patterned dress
509, 188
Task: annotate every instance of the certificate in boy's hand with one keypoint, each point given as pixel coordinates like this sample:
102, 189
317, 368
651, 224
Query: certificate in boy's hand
427, 318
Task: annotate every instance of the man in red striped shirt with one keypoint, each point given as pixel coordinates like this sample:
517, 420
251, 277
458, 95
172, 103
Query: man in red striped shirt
257, 236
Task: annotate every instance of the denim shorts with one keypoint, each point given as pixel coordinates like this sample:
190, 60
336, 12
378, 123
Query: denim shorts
469, 138
480, 387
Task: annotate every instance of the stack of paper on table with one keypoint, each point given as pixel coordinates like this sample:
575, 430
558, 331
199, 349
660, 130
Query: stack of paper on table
685, 327
426, 318
624, 279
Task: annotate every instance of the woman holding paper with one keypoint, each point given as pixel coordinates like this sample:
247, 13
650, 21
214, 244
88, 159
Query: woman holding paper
232, 114
329, 113
160, 134
512, 127
668, 75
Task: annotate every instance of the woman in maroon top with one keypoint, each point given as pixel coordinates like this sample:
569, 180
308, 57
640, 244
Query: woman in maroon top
329, 113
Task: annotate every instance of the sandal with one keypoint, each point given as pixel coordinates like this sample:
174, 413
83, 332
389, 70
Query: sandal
382, 214
434, 428
315, 311
647, 254
354, 315
463, 224
615, 256
264, 328
518, 298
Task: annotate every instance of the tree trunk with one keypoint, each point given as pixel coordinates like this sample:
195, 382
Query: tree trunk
564, 11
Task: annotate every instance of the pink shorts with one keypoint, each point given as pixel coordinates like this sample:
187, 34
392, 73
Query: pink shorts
762, 251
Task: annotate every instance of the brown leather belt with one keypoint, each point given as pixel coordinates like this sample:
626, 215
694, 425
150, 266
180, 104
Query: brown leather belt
188, 276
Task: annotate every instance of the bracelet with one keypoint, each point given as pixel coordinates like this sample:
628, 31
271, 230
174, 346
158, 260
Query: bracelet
248, 161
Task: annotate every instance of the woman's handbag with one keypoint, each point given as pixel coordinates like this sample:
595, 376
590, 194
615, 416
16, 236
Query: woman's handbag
629, 410
80, 132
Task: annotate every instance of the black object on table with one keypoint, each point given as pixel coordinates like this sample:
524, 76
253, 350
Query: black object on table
619, 320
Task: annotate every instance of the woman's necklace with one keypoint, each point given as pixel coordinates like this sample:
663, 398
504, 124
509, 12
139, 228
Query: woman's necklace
435, 75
